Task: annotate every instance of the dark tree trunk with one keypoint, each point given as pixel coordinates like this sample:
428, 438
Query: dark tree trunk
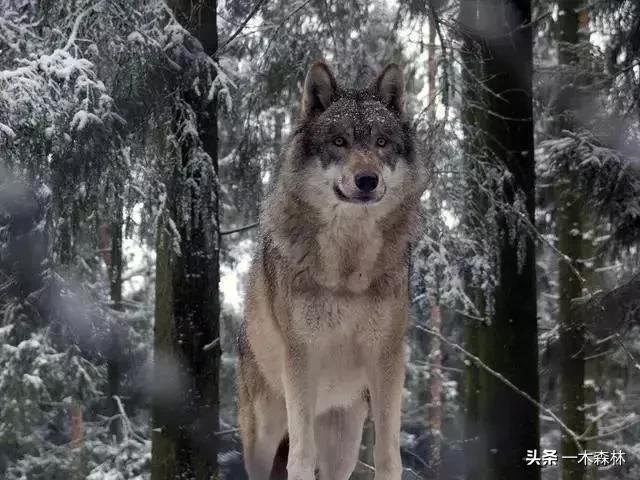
434, 412
508, 422
475, 209
570, 228
432, 67
434, 395
163, 441
65, 239
571, 332
114, 352
185, 415
67, 254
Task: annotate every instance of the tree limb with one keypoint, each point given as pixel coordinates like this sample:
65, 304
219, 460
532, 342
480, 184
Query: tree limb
573, 435
239, 229
252, 13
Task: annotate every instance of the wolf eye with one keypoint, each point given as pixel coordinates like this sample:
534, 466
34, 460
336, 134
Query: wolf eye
381, 141
339, 142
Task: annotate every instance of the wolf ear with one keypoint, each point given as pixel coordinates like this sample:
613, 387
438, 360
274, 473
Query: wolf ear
319, 88
389, 87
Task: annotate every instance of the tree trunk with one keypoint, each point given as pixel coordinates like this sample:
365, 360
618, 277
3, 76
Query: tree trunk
570, 229
114, 261
432, 67
163, 447
76, 442
185, 412
592, 361
592, 376
508, 343
65, 242
66, 252
434, 412
571, 332
475, 208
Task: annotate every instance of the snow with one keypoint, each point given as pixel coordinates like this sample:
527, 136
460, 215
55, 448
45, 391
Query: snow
32, 380
5, 331
231, 279
82, 118
7, 131
136, 37
31, 344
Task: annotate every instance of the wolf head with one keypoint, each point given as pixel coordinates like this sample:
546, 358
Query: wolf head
352, 148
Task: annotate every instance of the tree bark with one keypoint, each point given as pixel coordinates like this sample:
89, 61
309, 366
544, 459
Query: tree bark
185, 418
432, 67
114, 350
571, 331
475, 208
76, 442
163, 446
434, 412
570, 229
508, 343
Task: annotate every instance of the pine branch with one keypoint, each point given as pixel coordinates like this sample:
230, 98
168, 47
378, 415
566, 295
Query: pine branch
76, 26
252, 13
573, 435
239, 229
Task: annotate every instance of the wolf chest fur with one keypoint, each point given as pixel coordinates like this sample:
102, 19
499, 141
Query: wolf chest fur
326, 304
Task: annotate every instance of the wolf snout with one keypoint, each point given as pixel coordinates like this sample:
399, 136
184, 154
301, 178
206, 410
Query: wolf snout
366, 182
360, 186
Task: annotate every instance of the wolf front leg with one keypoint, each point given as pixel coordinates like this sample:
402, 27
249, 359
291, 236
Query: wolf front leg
300, 396
338, 436
262, 426
386, 380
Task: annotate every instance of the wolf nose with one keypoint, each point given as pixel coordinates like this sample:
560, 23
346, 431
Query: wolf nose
366, 181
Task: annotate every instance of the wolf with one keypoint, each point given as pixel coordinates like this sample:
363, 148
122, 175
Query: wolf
326, 305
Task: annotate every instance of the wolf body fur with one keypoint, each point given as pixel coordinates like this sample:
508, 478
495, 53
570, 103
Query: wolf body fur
327, 299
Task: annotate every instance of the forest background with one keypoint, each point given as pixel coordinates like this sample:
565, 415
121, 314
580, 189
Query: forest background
137, 139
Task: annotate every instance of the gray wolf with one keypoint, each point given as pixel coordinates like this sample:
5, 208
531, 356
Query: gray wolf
327, 299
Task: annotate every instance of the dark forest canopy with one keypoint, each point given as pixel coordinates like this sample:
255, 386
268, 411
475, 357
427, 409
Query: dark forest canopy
137, 141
